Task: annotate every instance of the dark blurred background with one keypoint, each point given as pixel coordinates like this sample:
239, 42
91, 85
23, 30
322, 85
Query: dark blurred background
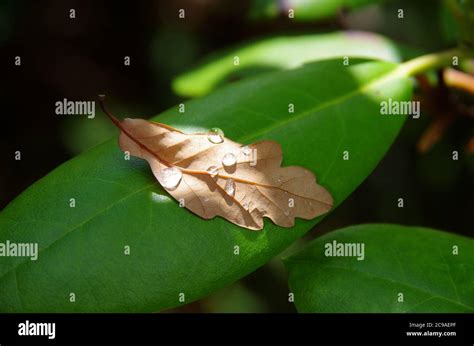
80, 58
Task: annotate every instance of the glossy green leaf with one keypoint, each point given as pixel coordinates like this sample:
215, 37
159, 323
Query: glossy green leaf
118, 203
283, 52
304, 10
431, 269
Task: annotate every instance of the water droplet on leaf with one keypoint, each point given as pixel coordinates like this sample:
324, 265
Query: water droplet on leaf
213, 171
247, 206
215, 135
246, 150
170, 177
230, 187
229, 159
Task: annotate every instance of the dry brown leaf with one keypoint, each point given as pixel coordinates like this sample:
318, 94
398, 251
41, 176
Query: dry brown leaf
214, 176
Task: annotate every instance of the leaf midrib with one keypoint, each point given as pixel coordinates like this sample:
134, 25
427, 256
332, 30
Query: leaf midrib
397, 72
70, 230
353, 270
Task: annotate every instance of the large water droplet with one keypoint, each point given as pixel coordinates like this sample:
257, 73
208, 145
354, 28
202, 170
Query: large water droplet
170, 177
213, 171
229, 160
215, 135
246, 150
230, 187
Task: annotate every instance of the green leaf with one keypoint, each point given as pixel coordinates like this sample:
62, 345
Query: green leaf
418, 262
172, 251
284, 52
304, 10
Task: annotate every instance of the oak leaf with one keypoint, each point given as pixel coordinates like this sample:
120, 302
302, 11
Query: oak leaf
214, 176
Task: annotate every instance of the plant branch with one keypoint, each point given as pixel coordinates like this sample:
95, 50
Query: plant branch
432, 61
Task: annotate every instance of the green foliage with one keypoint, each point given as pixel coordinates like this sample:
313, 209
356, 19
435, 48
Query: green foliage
417, 262
118, 203
304, 10
284, 52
